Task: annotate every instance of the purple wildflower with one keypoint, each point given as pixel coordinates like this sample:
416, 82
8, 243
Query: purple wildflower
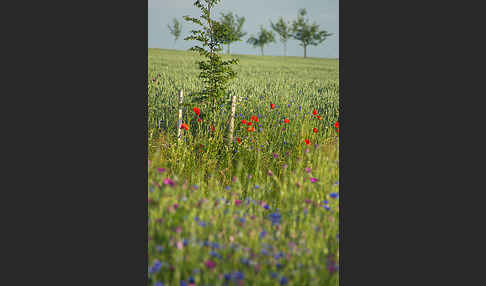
169, 182
210, 264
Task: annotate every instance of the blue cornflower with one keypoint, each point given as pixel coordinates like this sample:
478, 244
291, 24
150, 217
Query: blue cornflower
275, 217
300, 108
283, 280
215, 245
159, 248
206, 243
279, 255
156, 267
326, 207
227, 277
325, 202
245, 261
333, 195
151, 189
191, 280
266, 207
196, 218
279, 265
274, 274
185, 242
202, 223
262, 234
183, 283
264, 251
257, 186
227, 188
215, 254
237, 275
158, 283
242, 220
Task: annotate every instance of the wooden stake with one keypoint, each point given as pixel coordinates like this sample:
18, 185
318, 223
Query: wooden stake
232, 120
181, 96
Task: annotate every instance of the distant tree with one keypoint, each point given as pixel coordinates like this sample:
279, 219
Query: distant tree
263, 38
175, 29
306, 33
234, 25
284, 29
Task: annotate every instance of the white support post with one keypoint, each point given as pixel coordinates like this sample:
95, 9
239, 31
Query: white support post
181, 96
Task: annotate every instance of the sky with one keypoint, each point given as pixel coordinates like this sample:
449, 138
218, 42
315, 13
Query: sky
256, 12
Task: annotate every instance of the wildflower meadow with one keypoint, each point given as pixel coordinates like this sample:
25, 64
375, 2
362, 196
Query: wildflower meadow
262, 209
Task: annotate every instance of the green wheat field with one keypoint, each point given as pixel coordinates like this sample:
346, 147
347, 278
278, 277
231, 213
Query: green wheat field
262, 209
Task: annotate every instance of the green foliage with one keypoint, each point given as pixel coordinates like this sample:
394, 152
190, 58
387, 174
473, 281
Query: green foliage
263, 38
234, 25
175, 29
307, 33
215, 73
284, 30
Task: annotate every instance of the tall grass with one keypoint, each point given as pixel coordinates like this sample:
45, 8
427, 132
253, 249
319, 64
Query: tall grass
262, 211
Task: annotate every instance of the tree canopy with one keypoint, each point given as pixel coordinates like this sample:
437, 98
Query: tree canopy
307, 33
175, 29
284, 30
263, 38
234, 25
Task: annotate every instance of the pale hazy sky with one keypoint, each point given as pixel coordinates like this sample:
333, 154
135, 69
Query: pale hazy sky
256, 12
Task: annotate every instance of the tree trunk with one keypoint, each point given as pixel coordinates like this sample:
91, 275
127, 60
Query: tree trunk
285, 49
262, 49
305, 51
228, 49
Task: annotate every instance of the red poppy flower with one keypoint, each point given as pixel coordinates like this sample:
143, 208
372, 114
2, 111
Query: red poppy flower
314, 112
254, 118
239, 140
197, 111
315, 130
250, 123
336, 124
286, 120
319, 117
272, 106
251, 128
199, 119
243, 121
212, 128
307, 141
184, 126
